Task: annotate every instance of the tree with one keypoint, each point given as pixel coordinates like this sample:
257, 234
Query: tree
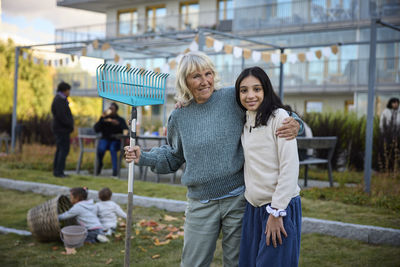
34, 84
35, 87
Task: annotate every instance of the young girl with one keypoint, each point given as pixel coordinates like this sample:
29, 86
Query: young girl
86, 214
108, 210
272, 221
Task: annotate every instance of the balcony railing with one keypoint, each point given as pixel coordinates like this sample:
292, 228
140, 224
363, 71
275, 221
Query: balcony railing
136, 27
307, 76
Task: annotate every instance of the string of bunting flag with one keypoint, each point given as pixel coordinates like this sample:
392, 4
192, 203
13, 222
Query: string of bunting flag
255, 55
60, 60
57, 60
218, 46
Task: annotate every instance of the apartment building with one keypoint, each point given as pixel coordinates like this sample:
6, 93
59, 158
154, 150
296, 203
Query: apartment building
151, 33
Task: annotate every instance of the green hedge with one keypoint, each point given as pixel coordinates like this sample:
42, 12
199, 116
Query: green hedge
350, 147
38, 129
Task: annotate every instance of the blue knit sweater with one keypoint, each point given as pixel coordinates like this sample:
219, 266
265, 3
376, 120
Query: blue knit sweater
207, 137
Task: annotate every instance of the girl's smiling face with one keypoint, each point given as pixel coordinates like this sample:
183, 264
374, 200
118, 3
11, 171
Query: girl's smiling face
251, 93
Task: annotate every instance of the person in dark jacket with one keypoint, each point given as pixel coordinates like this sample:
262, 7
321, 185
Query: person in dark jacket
109, 124
63, 125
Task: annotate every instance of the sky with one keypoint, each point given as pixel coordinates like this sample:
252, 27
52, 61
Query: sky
35, 21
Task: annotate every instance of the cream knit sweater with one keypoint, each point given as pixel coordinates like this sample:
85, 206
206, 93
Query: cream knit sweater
271, 166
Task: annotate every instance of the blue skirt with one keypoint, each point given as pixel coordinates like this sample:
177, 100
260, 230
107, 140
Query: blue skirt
254, 251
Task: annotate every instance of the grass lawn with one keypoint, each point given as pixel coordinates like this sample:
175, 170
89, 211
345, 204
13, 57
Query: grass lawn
316, 250
312, 206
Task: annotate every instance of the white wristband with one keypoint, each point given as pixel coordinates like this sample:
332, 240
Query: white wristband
276, 213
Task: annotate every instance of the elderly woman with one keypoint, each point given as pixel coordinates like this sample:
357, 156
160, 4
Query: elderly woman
205, 134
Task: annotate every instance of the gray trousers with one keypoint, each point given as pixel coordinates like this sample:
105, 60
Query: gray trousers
203, 224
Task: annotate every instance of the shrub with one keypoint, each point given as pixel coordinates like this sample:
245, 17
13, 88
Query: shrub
38, 129
350, 147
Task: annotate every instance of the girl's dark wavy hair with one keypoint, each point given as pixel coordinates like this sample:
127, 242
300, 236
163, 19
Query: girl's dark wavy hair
271, 101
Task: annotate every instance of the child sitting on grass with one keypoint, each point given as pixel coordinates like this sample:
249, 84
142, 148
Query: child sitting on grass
85, 213
108, 210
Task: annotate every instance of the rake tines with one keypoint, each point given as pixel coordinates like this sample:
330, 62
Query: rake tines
132, 86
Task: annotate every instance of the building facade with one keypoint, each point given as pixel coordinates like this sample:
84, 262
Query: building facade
337, 82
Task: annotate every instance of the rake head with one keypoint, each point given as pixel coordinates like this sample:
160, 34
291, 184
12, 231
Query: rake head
131, 86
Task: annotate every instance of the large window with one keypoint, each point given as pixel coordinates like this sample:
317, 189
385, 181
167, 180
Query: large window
189, 11
127, 22
155, 18
332, 10
314, 106
225, 10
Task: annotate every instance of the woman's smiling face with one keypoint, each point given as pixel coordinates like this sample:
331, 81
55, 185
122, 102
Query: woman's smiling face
201, 84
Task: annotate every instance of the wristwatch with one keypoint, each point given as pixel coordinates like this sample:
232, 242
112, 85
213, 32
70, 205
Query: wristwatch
276, 213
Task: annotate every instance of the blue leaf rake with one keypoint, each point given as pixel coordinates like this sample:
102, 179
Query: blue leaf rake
134, 87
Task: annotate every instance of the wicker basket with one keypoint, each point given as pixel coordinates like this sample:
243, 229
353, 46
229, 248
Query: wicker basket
43, 219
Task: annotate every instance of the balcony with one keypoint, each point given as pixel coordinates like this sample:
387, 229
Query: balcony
271, 18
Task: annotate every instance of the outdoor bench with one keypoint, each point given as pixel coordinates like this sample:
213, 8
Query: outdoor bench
317, 143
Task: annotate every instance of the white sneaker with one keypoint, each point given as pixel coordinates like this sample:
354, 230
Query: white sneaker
102, 238
108, 232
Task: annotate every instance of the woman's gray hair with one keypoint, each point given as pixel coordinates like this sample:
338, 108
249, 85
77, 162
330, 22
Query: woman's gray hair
191, 62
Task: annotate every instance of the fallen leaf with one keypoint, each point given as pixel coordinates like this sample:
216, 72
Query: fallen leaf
118, 237
109, 261
158, 243
122, 224
155, 256
172, 228
137, 231
171, 236
69, 251
169, 218
54, 248
123, 251
143, 249
140, 223
31, 244
150, 223
181, 233
160, 227
153, 223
